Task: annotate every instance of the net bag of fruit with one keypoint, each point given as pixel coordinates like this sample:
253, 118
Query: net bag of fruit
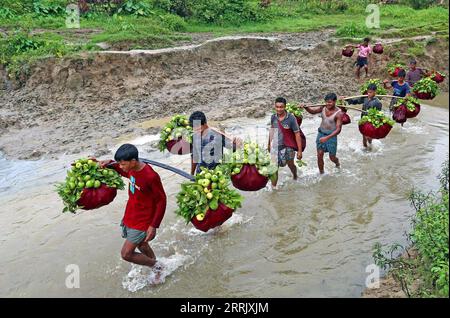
296, 111
378, 48
208, 201
348, 51
212, 218
437, 77
375, 124
250, 167
379, 84
393, 69
411, 106
399, 114
426, 88
176, 136
345, 117
88, 187
95, 198
249, 179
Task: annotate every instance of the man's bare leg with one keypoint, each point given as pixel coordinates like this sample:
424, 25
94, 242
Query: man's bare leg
335, 160
293, 168
320, 162
145, 249
365, 141
128, 254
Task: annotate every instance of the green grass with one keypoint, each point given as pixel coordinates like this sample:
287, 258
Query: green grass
161, 29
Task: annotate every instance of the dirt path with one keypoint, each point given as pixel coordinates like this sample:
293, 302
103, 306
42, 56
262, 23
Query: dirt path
83, 104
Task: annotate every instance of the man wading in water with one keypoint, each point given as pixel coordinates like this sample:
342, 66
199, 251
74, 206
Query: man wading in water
329, 129
371, 101
289, 138
208, 144
145, 207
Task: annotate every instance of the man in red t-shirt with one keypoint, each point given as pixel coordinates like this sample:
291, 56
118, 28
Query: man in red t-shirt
145, 208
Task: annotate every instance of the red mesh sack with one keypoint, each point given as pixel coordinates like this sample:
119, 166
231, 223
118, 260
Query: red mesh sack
94, 198
213, 218
368, 130
249, 179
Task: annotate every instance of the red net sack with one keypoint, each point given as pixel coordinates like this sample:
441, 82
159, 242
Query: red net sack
94, 198
179, 147
368, 130
213, 218
249, 179
399, 114
413, 113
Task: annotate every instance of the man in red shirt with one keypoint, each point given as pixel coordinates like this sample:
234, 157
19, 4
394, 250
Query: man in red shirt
145, 208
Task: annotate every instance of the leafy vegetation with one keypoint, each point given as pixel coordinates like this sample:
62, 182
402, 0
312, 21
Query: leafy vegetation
210, 188
85, 173
430, 238
410, 103
426, 85
177, 128
251, 154
380, 88
376, 117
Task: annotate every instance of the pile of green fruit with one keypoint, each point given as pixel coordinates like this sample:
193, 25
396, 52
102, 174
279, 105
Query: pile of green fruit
394, 68
210, 188
178, 127
409, 101
251, 154
380, 88
426, 85
376, 117
294, 109
85, 173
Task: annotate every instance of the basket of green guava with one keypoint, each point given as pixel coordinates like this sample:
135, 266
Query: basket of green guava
425, 88
88, 187
250, 167
208, 201
375, 124
176, 136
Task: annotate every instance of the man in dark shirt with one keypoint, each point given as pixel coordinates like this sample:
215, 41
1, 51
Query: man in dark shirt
208, 143
414, 74
371, 101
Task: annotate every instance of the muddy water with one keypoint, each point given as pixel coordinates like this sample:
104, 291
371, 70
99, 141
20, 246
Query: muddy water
312, 237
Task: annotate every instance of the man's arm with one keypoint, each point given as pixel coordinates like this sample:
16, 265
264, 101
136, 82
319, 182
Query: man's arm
408, 90
298, 139
353, 101
271, 132
159, 195
193, 165
312, 110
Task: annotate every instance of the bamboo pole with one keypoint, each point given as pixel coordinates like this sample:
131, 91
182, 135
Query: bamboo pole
345, 106
359, 96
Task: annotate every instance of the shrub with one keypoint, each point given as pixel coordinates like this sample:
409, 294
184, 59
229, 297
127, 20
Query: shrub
430, 237
173, 22
353, 30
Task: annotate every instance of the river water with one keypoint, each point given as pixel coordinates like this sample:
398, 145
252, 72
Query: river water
310, 238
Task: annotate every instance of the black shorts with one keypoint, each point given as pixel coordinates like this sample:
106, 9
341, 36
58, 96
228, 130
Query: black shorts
361, 61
